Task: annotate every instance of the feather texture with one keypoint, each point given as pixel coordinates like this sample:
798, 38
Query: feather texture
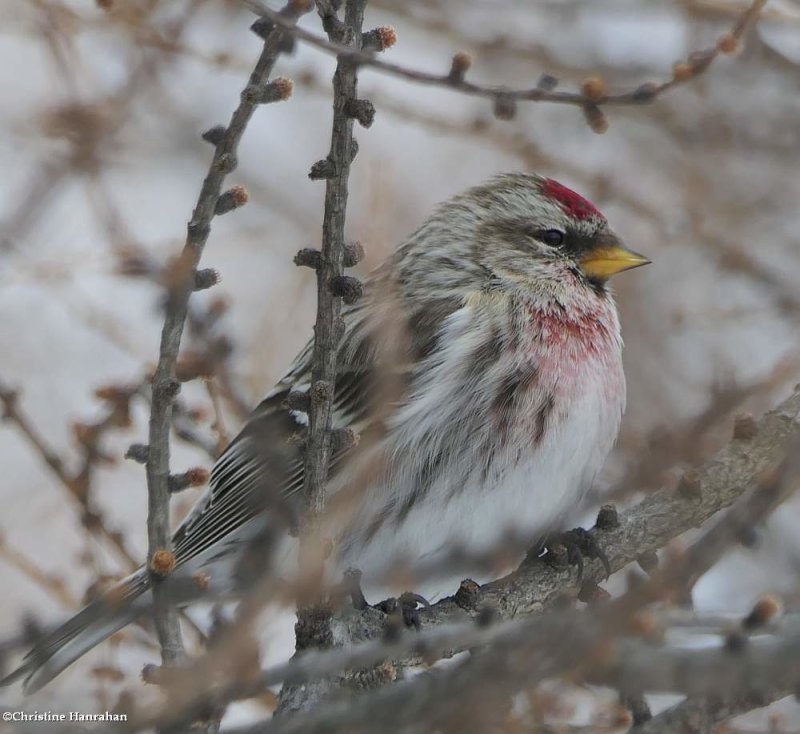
506, 394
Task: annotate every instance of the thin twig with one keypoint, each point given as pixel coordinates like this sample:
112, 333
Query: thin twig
165, 385
590, 98
327, 329
76, 485
314, 618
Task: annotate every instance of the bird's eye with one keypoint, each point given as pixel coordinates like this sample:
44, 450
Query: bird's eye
552, 237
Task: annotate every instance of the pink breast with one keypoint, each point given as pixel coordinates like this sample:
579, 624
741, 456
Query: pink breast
572, 352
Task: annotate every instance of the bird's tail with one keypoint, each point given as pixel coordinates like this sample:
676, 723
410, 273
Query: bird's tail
89, 627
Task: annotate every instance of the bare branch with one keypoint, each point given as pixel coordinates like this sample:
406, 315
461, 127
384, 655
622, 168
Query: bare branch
333, 288
589, 646
703, 715
592, 95
331, 261
536, 586
77, 483
649, 525
183, 282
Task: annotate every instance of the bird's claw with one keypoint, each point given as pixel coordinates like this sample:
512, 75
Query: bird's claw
351, 585
408, 605
571, 547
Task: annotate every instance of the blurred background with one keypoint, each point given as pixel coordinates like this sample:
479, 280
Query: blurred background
102, 161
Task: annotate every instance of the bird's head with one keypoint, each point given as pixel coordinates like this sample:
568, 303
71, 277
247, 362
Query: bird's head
522, 230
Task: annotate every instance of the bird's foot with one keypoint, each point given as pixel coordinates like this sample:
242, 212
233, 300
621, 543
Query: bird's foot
406, 606
351, 586
570, 548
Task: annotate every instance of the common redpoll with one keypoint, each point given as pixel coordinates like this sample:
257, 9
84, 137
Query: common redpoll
509, 393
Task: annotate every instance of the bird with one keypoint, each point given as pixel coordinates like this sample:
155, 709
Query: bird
497, 331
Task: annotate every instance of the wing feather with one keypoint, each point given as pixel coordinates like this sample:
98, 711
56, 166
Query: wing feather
263, 467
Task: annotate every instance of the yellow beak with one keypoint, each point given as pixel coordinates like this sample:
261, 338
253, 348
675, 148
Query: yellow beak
609, 259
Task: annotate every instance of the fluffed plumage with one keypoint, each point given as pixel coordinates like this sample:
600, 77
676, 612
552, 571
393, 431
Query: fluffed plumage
499, 340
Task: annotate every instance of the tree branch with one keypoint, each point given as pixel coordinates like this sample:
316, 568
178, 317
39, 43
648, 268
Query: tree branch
592, 96
313, 617
211, 202
703, 715
77, 484
535, 586
327, 328
588, 645
647, 526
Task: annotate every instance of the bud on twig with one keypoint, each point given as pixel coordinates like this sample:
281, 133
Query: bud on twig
459, 67
298, 400
151, 674
322, 169
277, 90
607, 518
343, 439
231, 199
262, 28
594, 88
138, 452
595, 118
308, 257
205, 279
378, 39
362, 110
214, 135
298, 7
505, 107
347, 288
467, 595
353, 254
547, 83
162, 562
195, 477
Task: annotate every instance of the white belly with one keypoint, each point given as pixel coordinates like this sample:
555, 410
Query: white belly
533, 480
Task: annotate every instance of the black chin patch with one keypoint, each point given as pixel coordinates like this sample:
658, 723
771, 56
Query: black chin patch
598, 285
